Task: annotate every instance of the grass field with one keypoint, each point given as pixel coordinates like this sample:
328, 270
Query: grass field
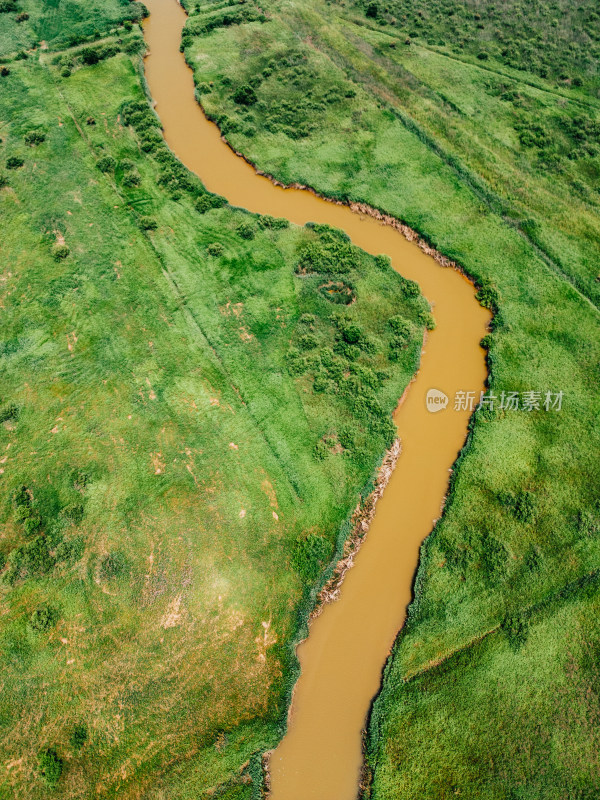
189, 413
491, 690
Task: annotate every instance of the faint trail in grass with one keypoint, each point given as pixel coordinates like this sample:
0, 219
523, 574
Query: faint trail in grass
495, 204
189, 316
495, 70
556, 596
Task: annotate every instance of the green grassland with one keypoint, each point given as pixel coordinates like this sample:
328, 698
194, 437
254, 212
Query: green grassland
499, 168
190, 408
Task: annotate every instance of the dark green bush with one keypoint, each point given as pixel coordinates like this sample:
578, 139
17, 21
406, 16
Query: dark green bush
21, 497
34, 138
60, 251
14, 162
32, 523
246, 230
50, 767
131, 179
79, 736
245, 95
106, 164
410, 288
338, 292
215, 249
148, 223
31, 559
515, 629
43, 618
488, 297
89, 56
275, 223
524, 508
307, 341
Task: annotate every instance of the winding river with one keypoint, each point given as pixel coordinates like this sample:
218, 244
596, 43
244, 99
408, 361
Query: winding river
320, 757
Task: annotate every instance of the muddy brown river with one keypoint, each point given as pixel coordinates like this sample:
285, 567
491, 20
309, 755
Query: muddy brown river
320, 757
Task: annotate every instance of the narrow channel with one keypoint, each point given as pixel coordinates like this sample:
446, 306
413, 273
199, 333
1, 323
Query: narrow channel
320, 757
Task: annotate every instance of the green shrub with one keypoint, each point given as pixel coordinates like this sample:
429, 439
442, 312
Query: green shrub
515, 629
6, 6
65, 72
311, 555
73, 512
33, 138
14, 162
320, 450
31, 559
89, 56
208, 201
114, 565
246, 230
245, 95
275, 223
60, 251
307, 341
106, 164
410, 288
148, 223
50, 767
321, 383
524, 508
215, 249
22, 497
426, 318
79, 736
131, 179
32, 523
43, 618
70, 550
488, 297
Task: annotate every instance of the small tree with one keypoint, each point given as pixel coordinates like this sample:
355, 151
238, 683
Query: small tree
50, 766
90, 56
148, 223
14, 162
246, 230
245, 95
43, 618
33, 138
60, 251
106, 164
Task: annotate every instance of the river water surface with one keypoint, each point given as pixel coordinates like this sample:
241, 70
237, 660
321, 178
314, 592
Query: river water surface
341, 661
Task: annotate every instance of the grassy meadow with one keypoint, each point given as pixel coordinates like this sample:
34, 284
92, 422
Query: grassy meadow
491, 690
192, 399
